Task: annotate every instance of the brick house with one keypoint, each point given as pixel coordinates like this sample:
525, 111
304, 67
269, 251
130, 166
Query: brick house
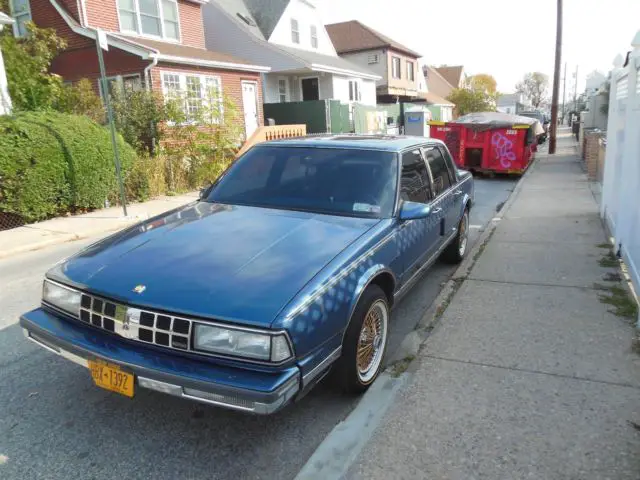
156, 43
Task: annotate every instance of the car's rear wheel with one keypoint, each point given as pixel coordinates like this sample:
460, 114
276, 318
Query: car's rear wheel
457, 249
365, 342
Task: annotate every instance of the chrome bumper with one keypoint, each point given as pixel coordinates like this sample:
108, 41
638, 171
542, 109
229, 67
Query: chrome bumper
211, 396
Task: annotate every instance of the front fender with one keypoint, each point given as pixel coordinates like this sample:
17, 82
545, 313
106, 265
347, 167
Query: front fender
364, 281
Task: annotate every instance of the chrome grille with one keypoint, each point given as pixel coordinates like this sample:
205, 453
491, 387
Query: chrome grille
137, 324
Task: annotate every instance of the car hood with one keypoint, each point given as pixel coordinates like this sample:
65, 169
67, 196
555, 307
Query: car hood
217, 261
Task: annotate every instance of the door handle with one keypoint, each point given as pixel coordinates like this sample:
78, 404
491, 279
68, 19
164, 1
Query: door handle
437, 210
457, 192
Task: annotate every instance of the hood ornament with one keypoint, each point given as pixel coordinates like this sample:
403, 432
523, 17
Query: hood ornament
139, 288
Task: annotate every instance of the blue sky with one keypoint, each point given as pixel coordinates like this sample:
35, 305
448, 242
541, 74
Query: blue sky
504, 38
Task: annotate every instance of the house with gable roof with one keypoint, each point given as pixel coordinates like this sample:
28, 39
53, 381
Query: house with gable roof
156, 44
289, 37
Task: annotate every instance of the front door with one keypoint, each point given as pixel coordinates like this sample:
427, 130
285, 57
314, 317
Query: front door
310, 89
250, 105
418, 238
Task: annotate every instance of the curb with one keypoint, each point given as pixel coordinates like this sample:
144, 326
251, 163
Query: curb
411, 344
69, 237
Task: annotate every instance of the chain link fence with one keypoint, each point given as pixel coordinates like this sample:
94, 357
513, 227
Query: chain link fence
10, 220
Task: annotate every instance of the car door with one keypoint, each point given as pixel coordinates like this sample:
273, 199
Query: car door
457, 192
418, 239
444, 182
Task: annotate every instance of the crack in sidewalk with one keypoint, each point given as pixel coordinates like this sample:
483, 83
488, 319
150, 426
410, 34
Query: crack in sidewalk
535, 284
538, 372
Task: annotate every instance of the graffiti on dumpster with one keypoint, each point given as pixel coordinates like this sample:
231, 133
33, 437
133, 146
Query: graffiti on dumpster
503, 147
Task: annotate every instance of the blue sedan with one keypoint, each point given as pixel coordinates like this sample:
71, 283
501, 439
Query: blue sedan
286, 268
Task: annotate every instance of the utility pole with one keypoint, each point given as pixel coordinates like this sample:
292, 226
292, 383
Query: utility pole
575, 93
556, 81
564, 92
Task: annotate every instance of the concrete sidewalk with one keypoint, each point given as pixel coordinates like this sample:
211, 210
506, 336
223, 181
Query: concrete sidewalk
66, 229
528, 374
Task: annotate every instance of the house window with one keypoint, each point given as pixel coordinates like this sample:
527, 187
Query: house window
373, 58
395, 65
282, 90
155, 18
295, 31
21, 13
410, 71
314, 36
121, 83
195, 93
355, 95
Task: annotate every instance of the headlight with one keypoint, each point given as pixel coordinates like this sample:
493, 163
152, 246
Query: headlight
61, 297
254, 345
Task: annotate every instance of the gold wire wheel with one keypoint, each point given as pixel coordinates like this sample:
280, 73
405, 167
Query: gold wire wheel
371, 342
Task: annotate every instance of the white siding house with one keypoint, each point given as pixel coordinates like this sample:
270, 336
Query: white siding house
5, 100
288, 36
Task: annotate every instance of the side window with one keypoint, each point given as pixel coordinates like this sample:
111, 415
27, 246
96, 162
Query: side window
453, 170
439, 171
414, 185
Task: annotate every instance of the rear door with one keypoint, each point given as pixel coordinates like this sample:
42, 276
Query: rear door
444, 182
457, 192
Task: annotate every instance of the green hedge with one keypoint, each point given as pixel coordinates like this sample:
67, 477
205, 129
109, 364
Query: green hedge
53, 163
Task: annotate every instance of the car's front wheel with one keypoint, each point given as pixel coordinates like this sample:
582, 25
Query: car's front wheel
365, 342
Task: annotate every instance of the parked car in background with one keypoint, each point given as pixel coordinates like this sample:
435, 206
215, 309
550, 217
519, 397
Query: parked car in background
288, 265
542, 118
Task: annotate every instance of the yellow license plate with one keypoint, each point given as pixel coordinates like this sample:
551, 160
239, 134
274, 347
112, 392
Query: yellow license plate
111, 377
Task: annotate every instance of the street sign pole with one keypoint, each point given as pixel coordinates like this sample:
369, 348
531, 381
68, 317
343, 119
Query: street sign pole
101, 43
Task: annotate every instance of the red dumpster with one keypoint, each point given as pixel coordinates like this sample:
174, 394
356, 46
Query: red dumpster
490, 142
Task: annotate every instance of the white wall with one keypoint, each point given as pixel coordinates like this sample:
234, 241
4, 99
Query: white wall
507, 109
369, 96
224, 34
621, 182
362, 59
341, 90
5, 100
306, 15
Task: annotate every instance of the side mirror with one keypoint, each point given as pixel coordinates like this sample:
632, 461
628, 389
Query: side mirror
203, 192
414, 211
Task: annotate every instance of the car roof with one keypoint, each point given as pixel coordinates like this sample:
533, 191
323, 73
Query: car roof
388, 143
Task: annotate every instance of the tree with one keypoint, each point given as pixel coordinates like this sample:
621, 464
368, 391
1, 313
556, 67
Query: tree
484, 82
27, 62
478, 94
535, 86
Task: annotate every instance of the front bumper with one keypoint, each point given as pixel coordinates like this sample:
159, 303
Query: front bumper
253, 391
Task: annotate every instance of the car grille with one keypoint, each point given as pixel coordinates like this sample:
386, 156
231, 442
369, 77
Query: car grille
137, 324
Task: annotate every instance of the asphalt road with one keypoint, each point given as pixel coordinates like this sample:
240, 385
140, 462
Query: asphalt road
55, 424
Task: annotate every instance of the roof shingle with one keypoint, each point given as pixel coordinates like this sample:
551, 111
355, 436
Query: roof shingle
436, 83
452, 74
177, 50
354, 36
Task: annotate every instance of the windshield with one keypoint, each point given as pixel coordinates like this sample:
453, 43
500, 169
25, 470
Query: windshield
360, 183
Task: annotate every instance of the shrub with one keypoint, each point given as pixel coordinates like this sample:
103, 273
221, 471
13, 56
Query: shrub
137, 114
81, 99
199, 148
52, 163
